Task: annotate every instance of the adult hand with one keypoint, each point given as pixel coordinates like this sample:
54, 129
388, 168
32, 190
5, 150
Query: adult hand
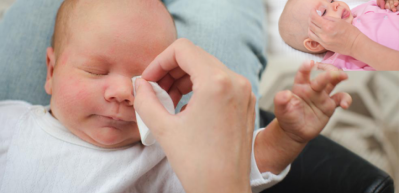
393, 5
333, 34
209, 143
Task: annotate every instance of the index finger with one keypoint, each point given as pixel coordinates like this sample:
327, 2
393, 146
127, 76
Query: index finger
327, 67
303, 74
315, 18
381, 4
181, 54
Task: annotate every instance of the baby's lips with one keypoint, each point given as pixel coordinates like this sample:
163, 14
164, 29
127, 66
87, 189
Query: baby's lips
345, 14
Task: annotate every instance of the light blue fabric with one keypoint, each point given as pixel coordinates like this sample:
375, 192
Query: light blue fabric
231, 30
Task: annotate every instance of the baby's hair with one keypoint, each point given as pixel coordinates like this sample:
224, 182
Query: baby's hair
293, 27
65, 15
62, 24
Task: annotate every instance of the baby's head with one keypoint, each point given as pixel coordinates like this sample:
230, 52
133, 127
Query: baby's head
294, 21
98, 46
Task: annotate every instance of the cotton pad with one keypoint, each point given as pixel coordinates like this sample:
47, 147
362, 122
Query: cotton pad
146, 137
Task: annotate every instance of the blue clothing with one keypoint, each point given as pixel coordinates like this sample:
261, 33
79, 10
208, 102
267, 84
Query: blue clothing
231, 30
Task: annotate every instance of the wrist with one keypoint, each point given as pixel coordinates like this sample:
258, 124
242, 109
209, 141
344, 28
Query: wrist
354, 51
274, 150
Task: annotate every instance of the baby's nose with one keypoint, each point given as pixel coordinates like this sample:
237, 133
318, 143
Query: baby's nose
335, 5
120, 90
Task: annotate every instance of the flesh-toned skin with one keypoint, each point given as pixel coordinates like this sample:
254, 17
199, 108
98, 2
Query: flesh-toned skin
90, 81
338, 35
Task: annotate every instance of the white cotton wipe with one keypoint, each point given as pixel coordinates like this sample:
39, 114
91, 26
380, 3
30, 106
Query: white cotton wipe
146, 137
318, 12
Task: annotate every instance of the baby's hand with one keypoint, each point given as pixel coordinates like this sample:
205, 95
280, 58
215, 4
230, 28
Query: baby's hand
303, 112
393, 5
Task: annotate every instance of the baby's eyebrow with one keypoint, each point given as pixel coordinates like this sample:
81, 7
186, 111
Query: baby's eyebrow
97, 62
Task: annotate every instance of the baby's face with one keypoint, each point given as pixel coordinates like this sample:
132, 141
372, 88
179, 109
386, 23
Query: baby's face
336, 9
91, 84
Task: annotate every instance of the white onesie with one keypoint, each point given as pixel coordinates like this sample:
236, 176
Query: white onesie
38, 154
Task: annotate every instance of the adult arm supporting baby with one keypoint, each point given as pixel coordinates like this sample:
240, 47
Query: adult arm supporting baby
341, 37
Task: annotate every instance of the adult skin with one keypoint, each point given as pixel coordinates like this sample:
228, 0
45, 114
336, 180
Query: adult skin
209, 143
339, 36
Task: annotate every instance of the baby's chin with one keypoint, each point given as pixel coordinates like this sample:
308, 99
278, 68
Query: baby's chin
110, 138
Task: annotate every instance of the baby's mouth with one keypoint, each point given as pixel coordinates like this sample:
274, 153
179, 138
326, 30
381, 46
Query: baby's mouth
345, 14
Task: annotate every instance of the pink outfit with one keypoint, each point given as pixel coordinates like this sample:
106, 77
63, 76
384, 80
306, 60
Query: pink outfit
380, 25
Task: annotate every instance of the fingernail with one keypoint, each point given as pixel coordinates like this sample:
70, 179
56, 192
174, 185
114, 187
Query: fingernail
335, 74
287, 95
138, 83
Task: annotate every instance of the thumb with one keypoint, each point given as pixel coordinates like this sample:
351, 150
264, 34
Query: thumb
281, 101
381, 4
148, 106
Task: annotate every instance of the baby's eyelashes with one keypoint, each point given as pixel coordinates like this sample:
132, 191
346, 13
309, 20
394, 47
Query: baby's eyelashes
97, 73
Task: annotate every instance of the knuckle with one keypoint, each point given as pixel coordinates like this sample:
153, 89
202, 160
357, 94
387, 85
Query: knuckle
244, 84
307, 92
221, 82
182, 41
253, 97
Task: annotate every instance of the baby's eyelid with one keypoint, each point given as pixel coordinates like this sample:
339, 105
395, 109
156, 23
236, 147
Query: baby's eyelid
96, 74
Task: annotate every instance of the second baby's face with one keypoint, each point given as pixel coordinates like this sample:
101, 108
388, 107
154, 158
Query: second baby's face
91, 85
336, 9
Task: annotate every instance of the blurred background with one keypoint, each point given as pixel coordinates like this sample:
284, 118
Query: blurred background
370, 128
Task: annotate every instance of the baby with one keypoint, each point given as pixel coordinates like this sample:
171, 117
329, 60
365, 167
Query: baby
87, 139
377, 24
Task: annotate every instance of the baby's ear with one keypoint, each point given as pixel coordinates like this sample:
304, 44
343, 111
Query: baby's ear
50, 69
313, 46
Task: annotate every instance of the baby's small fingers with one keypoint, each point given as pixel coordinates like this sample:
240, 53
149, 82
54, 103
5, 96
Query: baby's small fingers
327, 67
392, 6
324, 79
281, 100
381, 3
330, 87
303, 74
342, 99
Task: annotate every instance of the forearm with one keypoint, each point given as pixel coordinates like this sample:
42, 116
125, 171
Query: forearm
374, 54
274, 149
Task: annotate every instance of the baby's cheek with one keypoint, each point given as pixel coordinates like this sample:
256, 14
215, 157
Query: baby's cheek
73, 94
